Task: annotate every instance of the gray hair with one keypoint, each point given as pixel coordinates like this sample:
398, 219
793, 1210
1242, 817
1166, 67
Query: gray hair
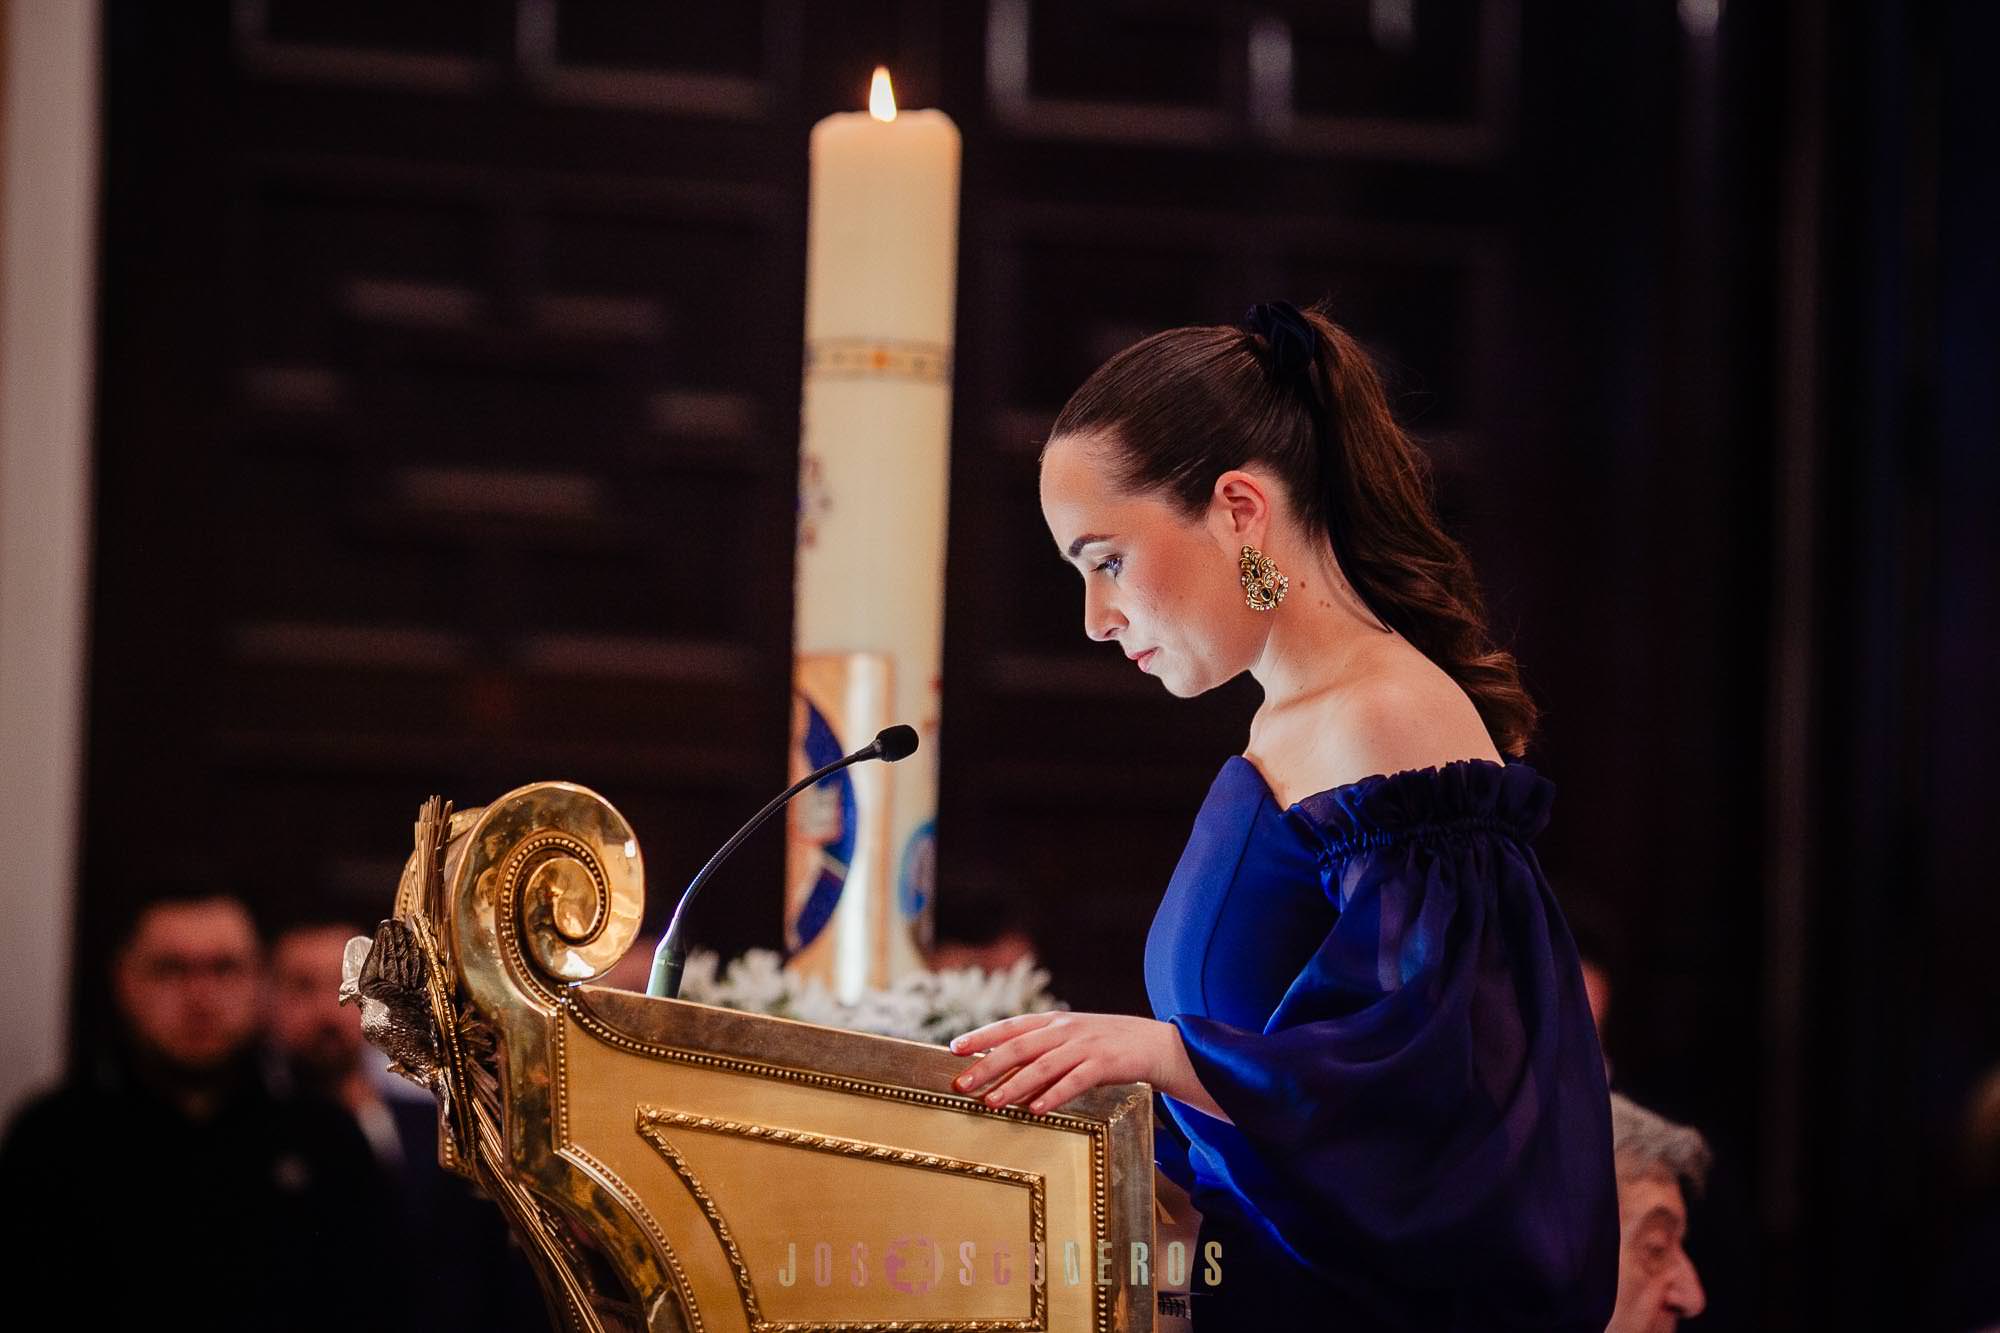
1644, 1141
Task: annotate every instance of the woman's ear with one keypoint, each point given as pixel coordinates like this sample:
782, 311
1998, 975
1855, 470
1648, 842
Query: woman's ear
1239, 510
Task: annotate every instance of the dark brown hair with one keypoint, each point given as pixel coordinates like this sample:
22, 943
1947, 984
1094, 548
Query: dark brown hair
1182, 407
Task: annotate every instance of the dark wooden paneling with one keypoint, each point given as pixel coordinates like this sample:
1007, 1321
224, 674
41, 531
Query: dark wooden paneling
449, 430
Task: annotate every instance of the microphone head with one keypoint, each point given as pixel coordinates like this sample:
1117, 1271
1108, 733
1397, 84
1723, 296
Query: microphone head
898, 742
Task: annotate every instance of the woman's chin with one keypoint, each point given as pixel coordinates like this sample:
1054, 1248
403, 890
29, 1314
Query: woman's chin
1181, 687
1184, 682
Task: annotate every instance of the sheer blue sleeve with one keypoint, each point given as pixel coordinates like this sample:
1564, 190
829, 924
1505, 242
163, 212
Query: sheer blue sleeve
1429, 1090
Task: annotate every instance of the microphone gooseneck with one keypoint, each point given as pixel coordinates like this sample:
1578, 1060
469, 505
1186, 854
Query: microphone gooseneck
889, 745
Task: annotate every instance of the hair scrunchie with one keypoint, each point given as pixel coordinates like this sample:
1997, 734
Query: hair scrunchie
1293, 339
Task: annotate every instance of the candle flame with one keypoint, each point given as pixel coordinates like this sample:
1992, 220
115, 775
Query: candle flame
881, 97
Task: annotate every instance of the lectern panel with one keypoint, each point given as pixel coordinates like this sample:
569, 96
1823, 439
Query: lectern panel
678, 1166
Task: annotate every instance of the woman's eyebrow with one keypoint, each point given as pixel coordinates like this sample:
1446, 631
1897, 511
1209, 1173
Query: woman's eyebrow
1087, 539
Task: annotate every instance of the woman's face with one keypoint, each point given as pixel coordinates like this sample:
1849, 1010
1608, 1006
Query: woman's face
1162, 586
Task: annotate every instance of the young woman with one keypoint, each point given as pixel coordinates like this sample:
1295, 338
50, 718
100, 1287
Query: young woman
1386, 1094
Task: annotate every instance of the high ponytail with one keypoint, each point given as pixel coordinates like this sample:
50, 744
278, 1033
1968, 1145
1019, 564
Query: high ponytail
1184, 406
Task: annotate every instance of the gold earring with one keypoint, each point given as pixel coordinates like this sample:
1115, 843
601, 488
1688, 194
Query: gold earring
1263, 586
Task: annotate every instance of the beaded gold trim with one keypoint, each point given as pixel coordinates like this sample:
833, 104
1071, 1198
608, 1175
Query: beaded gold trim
879, 358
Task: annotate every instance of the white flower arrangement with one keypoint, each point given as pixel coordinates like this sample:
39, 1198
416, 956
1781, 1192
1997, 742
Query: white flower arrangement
920, 1006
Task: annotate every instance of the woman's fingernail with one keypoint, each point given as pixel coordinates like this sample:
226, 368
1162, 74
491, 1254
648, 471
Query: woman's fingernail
955, 1041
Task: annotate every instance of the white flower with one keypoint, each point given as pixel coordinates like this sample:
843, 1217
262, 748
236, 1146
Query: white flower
698, 977
918, 1006
757, 981
811, 1002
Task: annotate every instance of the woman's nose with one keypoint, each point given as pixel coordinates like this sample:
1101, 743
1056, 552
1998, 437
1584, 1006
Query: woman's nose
1101, 621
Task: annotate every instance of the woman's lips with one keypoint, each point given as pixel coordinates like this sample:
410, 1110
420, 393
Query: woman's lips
1143, 658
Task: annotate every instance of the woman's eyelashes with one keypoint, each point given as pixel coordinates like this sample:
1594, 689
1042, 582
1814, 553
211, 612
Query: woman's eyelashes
1111, 564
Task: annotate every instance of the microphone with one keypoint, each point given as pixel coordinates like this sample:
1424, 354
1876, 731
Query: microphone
889, 745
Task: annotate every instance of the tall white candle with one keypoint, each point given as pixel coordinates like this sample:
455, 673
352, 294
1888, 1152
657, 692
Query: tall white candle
881, 268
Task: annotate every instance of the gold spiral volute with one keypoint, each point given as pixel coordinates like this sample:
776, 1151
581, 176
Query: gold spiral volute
556, 871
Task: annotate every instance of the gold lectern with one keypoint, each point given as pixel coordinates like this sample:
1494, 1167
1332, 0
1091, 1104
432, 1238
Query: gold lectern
676, 1166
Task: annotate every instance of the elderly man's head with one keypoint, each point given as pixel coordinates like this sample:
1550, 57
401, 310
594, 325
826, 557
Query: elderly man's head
1657, 1286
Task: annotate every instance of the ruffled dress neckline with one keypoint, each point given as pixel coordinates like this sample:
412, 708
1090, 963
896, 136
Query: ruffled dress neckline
1382, 808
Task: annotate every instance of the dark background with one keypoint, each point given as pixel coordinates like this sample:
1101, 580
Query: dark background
447, 430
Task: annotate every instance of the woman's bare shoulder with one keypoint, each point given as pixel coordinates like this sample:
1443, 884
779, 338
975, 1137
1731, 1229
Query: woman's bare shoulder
1391, 722
1402, 723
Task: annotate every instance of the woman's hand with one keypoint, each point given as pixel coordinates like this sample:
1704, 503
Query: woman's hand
1046, 1059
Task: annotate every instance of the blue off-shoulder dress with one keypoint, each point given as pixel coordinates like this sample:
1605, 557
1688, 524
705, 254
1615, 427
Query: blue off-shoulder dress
1377, 987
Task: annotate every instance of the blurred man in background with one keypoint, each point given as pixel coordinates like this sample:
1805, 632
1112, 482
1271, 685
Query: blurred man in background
1596, 933
1657, 1284
461, 1269
321, 1041
170, 1182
